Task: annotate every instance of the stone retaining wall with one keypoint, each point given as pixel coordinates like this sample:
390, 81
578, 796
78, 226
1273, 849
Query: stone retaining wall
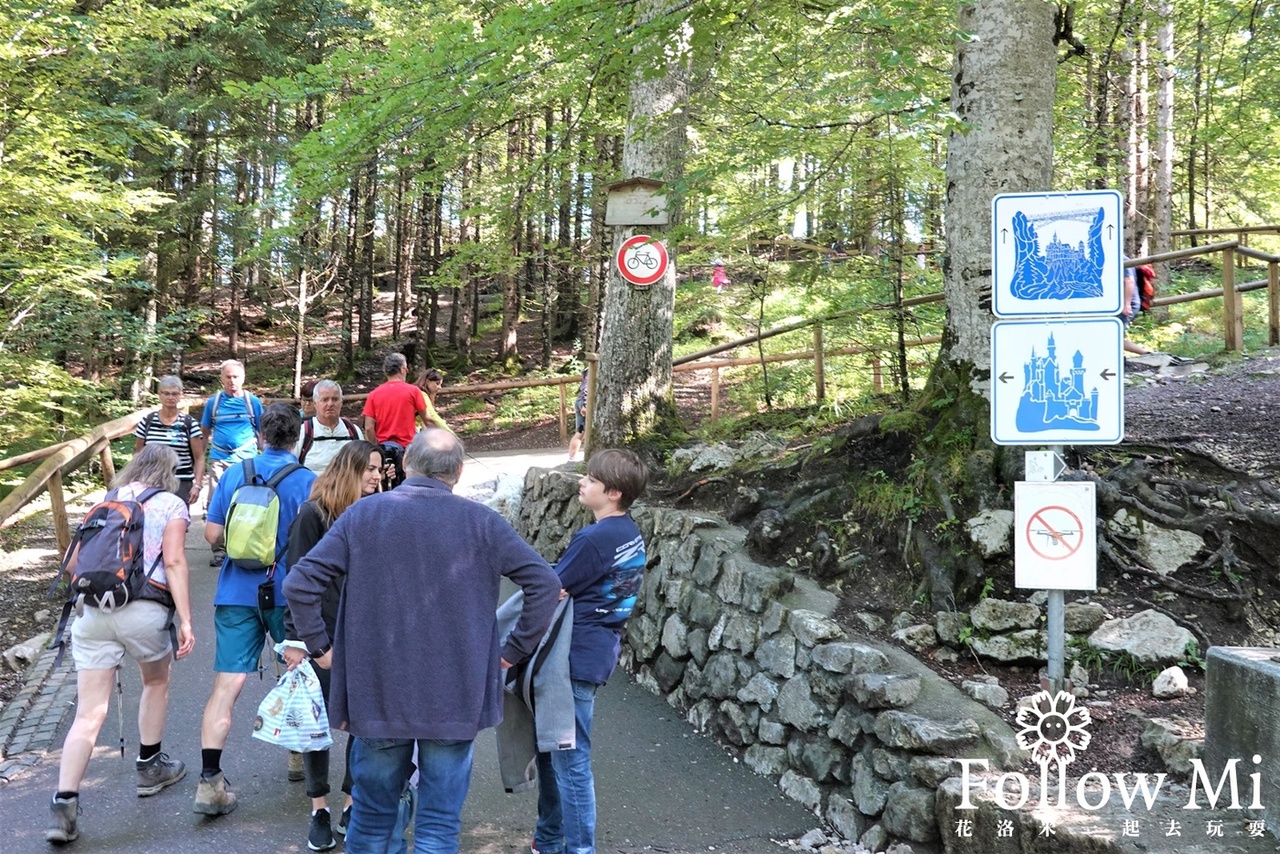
858, 731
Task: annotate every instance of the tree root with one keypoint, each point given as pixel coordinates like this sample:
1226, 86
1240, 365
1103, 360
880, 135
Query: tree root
1136, 565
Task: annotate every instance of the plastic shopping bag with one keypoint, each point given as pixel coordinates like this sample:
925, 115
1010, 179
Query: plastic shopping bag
293, 715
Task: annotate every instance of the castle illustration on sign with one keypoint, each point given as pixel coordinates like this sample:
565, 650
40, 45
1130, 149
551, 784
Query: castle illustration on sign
1061, 271
1053, 399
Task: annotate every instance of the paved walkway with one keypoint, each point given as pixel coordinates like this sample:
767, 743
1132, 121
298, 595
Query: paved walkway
661, 787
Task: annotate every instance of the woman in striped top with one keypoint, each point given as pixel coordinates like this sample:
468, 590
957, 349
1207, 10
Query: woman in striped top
179, 431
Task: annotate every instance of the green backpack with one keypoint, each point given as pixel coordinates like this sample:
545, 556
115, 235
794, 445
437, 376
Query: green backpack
253, 519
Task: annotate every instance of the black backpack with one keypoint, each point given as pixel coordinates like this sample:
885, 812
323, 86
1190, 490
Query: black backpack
110, 569
309, 436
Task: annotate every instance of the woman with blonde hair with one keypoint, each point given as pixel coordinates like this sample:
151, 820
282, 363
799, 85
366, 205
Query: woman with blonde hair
430, 381
355, 472
141, 629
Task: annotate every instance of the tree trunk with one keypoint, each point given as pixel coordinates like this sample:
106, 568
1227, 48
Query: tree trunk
239, 279
508, 345
633, 391
1003, 89
1163, 208
350, 275
368, 262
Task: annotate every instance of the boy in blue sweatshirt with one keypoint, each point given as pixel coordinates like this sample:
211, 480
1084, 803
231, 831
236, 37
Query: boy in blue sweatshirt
601, 569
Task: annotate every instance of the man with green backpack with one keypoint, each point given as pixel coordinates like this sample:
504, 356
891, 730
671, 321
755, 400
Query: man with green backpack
251, 510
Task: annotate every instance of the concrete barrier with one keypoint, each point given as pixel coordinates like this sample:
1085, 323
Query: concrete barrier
1242, 721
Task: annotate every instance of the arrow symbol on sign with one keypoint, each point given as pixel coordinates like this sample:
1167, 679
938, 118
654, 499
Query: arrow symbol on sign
1110, 230
1107, 373
1004, 235
1005, 376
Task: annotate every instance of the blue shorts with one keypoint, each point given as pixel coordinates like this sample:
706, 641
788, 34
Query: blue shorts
239, 632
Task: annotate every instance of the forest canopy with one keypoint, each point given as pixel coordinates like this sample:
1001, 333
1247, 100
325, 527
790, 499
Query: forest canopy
168, 170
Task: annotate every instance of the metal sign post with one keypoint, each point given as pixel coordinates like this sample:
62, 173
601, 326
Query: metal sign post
1057, 377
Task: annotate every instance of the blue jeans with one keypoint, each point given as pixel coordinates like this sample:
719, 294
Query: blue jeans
380, 770
566, 787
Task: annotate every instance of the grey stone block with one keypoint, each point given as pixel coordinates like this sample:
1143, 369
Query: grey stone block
845, 728
844, 818
772, 732
812, 628
736, 724
675, 636
835, 657
817, 757
795, 706
950, 625
801, 789
909, 813
891, 765
765, 761
883, 690
912, 732
778, 655
996, 615
760, 690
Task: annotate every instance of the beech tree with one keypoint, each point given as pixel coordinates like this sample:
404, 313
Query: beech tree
1003, 91
633, 389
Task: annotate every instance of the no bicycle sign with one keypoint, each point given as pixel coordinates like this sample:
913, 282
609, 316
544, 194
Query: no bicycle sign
642, 260
1055, 541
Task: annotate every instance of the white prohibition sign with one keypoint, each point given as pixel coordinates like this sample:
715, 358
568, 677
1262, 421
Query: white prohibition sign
642, 260
1059, 530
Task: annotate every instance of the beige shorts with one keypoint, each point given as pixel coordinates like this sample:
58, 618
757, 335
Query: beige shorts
100, 640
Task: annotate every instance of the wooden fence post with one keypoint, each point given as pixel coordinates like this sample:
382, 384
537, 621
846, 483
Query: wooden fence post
61, 527
593, 366
715, 394
877, 377
819, 368
1273, 303
564, 428
108, 465
1232, 322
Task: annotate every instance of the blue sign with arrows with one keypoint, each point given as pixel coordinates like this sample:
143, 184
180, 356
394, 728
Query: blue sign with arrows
1057, 382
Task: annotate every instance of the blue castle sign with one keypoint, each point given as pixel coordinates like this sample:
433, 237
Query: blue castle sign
1055, 399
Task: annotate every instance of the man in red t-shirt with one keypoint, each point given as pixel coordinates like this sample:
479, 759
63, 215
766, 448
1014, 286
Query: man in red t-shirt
391, 410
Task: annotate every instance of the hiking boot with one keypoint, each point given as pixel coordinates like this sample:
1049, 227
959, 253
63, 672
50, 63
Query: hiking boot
157, 772
321, 836
296, 773
64, 820
341, 827
213, 797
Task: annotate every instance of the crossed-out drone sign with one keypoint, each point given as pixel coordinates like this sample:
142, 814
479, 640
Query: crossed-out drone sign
642, 260
1055, 536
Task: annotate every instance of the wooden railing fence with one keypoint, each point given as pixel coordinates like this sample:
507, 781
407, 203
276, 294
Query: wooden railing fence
59, 460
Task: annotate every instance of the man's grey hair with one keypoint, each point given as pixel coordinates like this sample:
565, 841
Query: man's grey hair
154, 465
435, 453
394, 363
231, 363
170, 381
325, 385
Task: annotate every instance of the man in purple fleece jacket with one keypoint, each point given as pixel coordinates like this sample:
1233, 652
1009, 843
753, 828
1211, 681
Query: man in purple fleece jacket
415, 655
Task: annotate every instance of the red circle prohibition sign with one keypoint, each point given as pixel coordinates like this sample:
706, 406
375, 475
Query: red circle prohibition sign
1054, 534
642, 260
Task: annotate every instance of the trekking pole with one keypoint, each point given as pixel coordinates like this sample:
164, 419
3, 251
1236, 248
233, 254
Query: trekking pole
120, 708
